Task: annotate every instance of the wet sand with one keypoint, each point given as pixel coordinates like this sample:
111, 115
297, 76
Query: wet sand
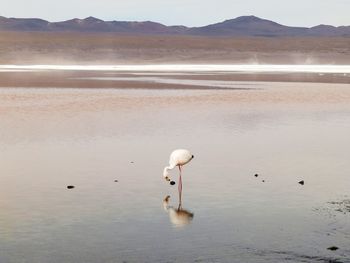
285, 132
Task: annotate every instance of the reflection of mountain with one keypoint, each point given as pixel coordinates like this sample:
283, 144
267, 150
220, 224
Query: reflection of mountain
179, 217
240, 26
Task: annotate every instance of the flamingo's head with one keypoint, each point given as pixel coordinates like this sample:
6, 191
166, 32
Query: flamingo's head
169, 180
166, 174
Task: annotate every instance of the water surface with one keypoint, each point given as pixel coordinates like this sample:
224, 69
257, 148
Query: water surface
51, 138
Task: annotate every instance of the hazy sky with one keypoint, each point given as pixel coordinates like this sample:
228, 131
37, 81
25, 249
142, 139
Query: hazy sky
186, 12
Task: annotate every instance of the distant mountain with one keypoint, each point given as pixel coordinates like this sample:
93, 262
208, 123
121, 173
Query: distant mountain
240, 26
23, 24
255, 26
248, 26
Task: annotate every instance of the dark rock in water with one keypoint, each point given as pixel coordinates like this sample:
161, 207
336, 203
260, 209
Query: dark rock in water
256, 175
263, 181
172, 183
116, 181
131, 162
301, 182
333, 248
70, 186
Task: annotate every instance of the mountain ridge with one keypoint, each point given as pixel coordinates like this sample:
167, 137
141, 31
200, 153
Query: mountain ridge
239, 26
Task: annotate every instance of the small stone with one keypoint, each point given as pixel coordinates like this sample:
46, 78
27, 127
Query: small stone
263, 181
333, 248
116, 181
70, 186
301, 182
256, 175
172, 183
131, 162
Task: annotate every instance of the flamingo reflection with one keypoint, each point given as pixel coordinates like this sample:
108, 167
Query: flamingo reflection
179, 217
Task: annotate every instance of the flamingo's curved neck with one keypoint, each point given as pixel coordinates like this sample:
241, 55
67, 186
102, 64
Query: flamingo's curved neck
166, 172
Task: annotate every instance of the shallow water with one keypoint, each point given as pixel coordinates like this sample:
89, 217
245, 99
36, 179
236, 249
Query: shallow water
51, 138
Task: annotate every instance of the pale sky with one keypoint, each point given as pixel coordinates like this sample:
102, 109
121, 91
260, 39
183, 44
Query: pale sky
184, 12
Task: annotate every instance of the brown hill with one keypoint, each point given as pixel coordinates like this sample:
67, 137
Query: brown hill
240, 26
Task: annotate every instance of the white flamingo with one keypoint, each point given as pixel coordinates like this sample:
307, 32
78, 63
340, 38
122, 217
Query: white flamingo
178, 158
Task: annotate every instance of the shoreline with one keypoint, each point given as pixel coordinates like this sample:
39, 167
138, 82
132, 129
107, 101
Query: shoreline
215, 68
158, 79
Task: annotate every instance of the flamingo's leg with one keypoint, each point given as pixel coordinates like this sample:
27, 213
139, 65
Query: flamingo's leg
180, 187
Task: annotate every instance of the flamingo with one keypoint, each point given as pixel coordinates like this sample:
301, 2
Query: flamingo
178, 158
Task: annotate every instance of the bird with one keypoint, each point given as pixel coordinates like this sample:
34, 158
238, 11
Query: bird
178, 158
